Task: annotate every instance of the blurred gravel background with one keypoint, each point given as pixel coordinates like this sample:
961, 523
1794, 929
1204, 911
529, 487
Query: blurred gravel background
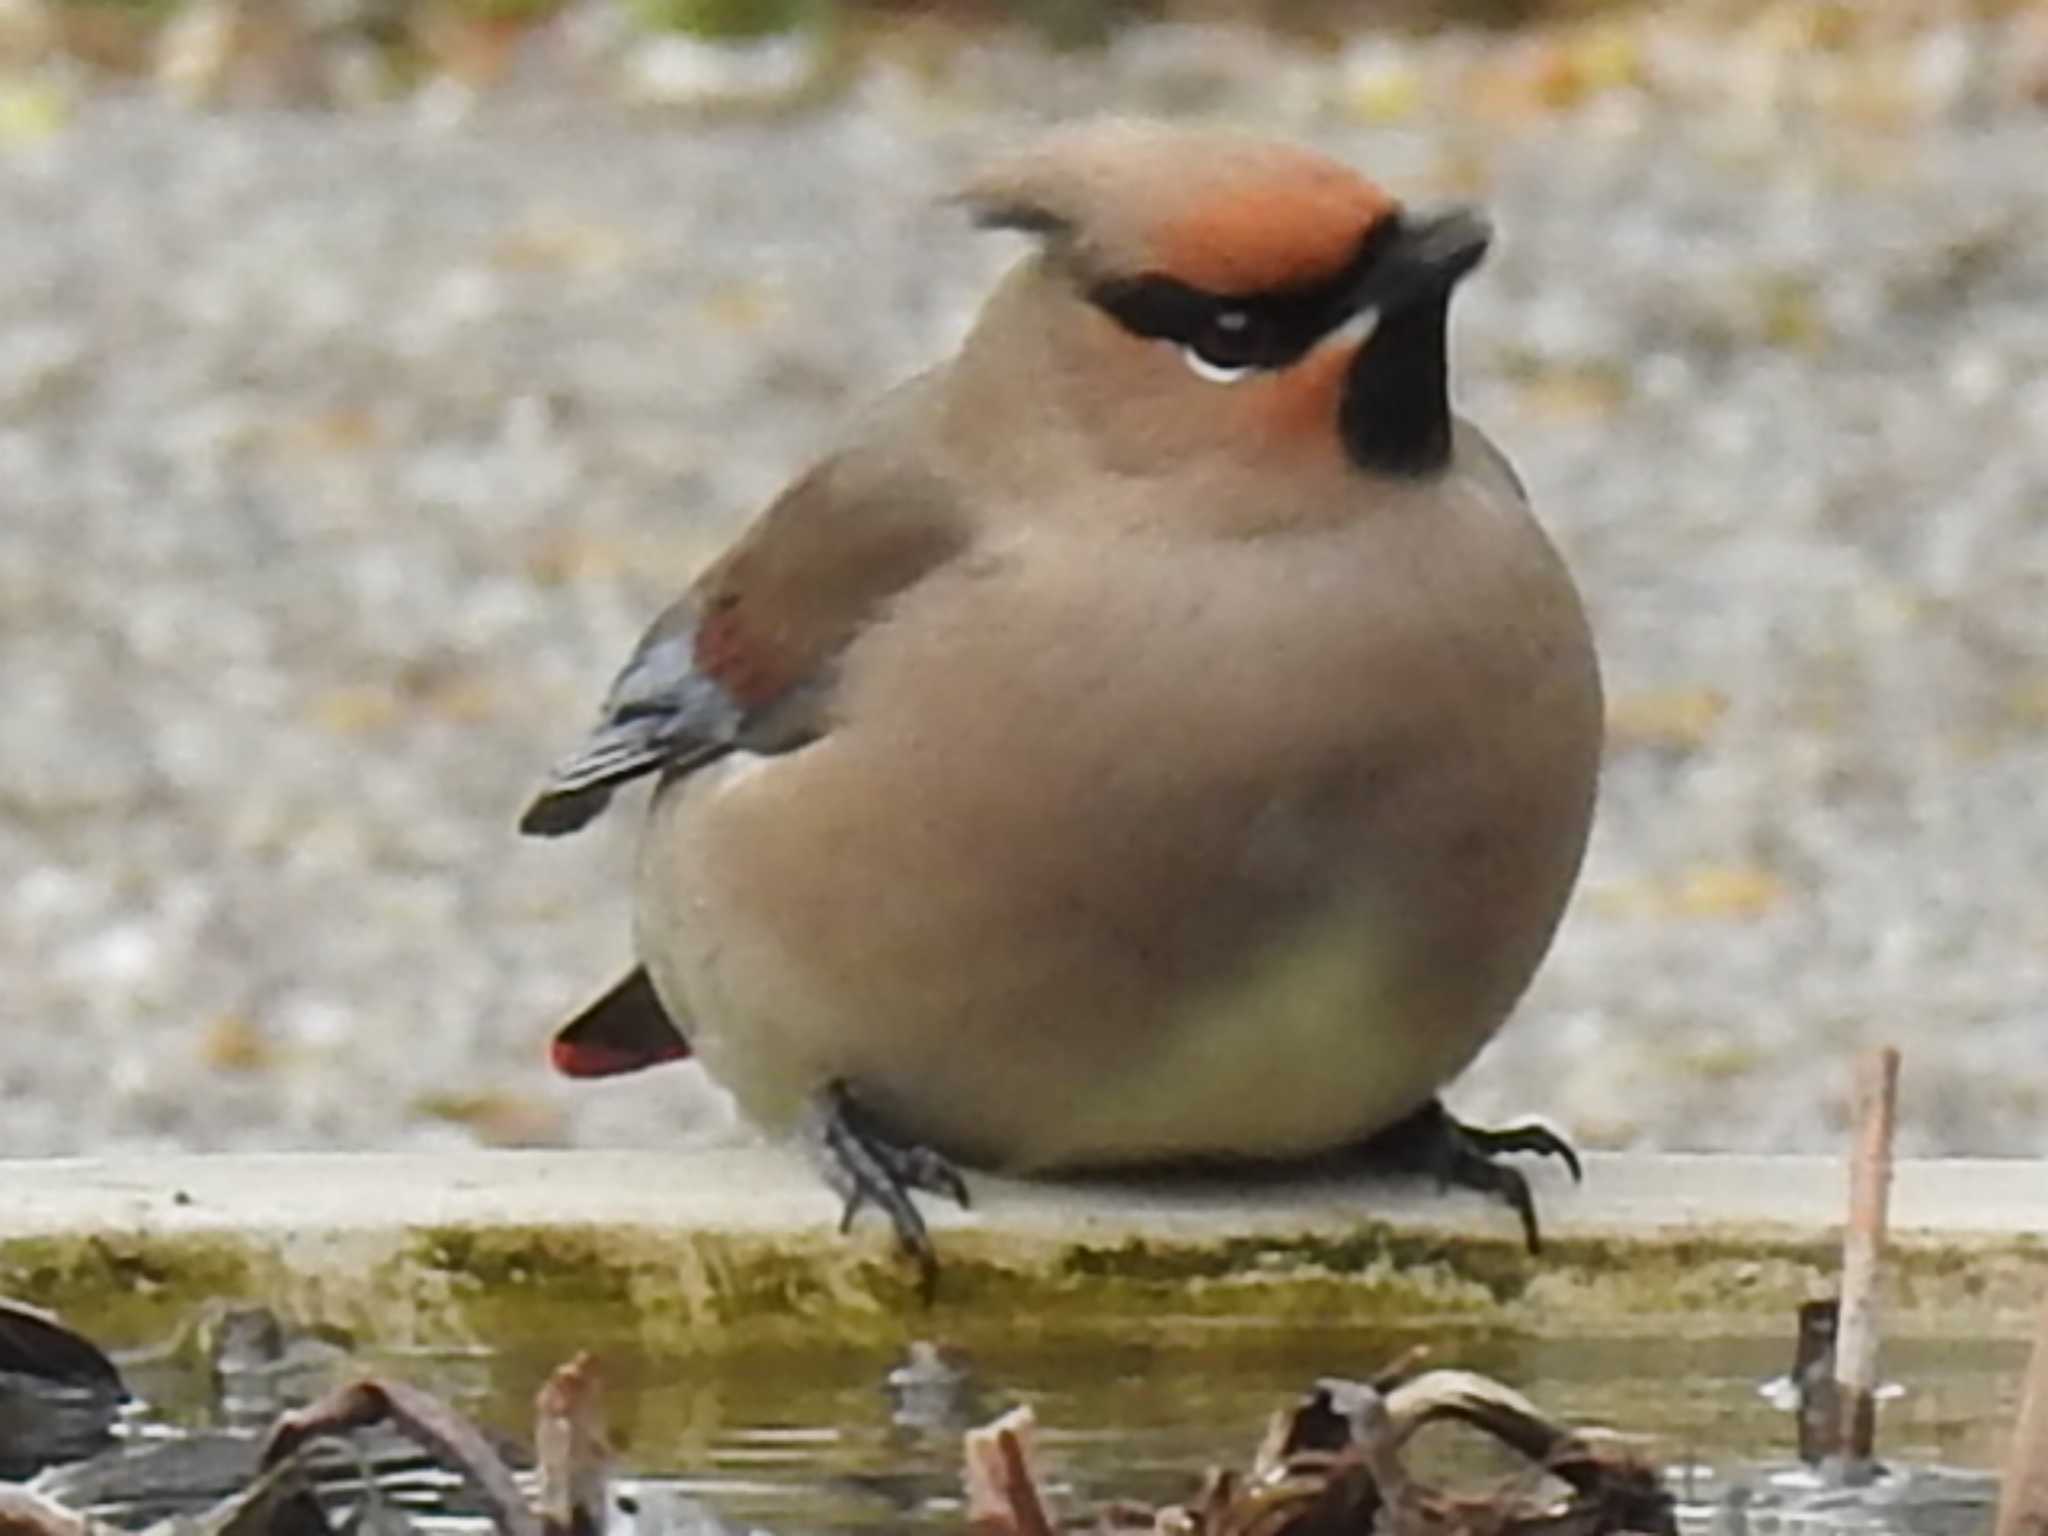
343, 455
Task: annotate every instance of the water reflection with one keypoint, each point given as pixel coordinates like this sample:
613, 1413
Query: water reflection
856, 1441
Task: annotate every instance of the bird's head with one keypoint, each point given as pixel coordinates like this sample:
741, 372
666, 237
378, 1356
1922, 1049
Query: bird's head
1199, 294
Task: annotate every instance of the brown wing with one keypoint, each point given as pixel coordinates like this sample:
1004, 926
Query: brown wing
744, 660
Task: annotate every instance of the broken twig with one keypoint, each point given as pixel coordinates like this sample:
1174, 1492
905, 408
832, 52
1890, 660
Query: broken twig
1002, 1487
1870, 1183
27, 1513
426, 1421
1333, 1466
569, 1445
2023, 1496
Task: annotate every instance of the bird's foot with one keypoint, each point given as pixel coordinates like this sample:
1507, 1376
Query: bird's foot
865, 1165
1431, 1142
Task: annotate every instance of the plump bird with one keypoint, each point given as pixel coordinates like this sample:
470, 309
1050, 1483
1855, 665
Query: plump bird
1160, 735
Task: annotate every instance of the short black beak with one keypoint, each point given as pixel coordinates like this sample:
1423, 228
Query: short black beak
1422, 254
1396, 413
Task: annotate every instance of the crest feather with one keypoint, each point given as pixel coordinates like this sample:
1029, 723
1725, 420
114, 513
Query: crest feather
1219, 211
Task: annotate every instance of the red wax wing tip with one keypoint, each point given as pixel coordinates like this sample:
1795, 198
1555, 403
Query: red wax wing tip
624, 1031
730, 657
598, 1058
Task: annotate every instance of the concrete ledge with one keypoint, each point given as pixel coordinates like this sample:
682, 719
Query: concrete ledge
731, 1247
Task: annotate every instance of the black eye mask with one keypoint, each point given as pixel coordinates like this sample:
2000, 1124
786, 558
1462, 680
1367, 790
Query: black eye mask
1271, 328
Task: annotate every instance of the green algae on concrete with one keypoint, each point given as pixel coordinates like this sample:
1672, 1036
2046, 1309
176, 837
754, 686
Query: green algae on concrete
133, 1287
735, 1249
677, 1289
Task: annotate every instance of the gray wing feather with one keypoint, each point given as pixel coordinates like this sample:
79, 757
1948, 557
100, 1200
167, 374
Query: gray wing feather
661, 714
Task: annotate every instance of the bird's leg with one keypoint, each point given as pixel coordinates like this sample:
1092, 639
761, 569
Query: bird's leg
865, 1165
1431, 1142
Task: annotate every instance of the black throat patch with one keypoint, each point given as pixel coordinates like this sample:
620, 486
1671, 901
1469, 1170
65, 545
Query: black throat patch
1395, 417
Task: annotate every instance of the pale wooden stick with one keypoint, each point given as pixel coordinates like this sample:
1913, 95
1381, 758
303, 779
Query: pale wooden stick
569, 1450
1870, 1187
1002, 1488
2023, 1499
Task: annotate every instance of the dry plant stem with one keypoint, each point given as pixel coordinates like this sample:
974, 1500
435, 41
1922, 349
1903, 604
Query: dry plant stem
428, 1423
1380, 1443
1002, 1489
23, 1513
264, 1508
2023, 1500
569, 1445
1870, 1183
1032, 1518
1813, 1376
1333, 1466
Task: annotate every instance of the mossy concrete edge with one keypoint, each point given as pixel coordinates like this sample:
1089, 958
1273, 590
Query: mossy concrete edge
729, 1248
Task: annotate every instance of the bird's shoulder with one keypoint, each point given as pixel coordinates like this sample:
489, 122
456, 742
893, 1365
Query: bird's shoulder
747, 656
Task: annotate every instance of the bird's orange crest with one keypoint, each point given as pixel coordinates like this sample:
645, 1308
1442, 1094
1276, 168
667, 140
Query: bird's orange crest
1275, 233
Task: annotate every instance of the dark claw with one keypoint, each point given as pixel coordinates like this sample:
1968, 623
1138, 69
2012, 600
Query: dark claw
1540, 1140
1460, 1156
863, 1166
922, 1168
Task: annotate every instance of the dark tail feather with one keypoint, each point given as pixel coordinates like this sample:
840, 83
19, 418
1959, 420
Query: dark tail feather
572, 800
580, 787
626, 1030
555, 813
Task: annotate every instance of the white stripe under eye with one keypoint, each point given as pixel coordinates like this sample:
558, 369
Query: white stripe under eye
1215, 373
1355, 330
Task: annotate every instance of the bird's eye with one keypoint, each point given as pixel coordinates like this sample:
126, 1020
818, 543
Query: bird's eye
1230, 344
1222, 338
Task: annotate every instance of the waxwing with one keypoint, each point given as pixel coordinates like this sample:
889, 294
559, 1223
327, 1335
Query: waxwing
1161, 735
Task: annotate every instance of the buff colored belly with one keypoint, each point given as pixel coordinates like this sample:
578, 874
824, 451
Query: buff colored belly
1114, 860
1008, 1038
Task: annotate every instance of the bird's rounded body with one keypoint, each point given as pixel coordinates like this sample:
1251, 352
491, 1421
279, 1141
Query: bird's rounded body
1126, 847
1161, 734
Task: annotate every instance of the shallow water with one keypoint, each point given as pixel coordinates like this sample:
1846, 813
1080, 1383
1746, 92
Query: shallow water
826, 1440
